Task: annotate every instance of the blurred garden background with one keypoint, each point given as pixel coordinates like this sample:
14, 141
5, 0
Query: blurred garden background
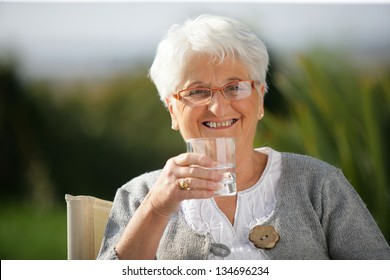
78, 114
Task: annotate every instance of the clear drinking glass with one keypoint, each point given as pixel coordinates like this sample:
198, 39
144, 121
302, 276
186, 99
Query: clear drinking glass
222, 150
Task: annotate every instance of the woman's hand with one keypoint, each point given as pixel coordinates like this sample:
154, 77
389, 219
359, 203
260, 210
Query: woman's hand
166, 194
138, 241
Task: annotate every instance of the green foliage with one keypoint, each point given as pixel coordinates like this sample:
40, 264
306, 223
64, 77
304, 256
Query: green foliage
32, 233
339, 115
85, 138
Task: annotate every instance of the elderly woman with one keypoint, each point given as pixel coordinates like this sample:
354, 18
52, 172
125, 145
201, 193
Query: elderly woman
287, 206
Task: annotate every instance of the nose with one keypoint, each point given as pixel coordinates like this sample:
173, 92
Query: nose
218, 105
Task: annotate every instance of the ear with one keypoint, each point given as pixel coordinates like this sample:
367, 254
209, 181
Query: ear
261, 90
169, 103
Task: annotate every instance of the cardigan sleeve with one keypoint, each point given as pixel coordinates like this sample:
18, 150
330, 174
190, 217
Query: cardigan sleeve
119, 217
126, 201
350, 230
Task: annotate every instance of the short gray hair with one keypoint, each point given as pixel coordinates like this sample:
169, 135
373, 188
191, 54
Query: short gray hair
219, 37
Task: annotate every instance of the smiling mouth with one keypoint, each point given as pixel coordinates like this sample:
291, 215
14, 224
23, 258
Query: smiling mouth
220, 124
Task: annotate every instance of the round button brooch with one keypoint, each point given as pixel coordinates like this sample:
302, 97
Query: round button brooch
264, 237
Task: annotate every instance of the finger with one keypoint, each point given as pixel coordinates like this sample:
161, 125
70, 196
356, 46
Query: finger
195, 191
187, 159
196, 194
198, 184
198, 173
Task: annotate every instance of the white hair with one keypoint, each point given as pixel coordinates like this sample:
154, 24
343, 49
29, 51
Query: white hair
217, 36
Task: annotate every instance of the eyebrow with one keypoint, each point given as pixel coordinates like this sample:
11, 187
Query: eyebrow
195, 84
201, 84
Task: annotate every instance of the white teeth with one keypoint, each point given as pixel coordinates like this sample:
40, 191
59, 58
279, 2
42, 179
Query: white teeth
219, 124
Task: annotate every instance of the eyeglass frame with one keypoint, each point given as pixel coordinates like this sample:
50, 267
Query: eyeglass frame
213, 91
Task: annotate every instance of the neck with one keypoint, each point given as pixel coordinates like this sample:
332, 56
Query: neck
249, 168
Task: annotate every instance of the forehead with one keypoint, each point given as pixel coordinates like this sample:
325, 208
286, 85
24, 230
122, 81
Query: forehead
206, 70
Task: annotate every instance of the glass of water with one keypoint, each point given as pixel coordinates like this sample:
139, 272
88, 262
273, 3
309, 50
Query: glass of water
222, 150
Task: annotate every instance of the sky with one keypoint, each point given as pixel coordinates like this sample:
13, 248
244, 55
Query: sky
92, 39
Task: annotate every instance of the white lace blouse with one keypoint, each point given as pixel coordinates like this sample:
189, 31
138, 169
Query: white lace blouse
254, 206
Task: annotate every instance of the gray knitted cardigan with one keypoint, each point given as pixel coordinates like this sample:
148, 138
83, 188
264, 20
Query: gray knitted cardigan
318, 215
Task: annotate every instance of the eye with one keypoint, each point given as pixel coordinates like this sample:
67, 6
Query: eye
198, 92
232, 88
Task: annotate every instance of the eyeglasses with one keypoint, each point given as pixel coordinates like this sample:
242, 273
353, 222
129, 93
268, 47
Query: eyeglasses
194, 97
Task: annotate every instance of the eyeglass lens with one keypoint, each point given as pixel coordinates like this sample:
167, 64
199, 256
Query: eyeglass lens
231, 91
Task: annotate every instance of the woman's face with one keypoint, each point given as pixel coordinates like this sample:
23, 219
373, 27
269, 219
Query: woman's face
221, 117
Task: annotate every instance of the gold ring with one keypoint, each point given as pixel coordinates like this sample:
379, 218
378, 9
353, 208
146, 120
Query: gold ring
183, 185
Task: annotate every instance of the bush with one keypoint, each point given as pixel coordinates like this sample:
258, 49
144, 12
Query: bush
339, 115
